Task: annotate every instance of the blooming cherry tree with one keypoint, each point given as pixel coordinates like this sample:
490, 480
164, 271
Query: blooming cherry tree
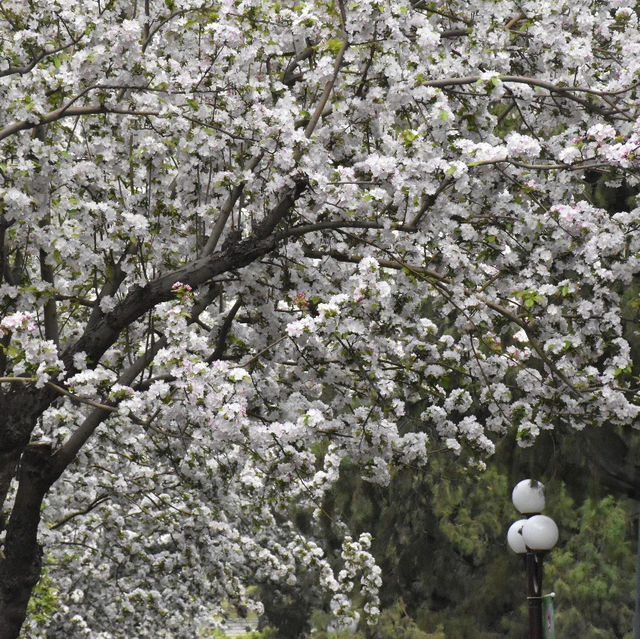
241, 241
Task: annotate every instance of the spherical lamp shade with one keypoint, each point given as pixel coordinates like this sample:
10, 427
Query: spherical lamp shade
515, 538
528, 496
540, 532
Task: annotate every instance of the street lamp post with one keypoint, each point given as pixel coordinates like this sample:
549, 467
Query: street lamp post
531, 537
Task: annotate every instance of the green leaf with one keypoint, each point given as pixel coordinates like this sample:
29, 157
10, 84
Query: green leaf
334, 45
408, 136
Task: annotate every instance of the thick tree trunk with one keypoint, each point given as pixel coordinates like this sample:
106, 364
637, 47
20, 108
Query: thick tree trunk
22, 561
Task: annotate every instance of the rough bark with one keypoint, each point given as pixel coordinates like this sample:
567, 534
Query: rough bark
22, 561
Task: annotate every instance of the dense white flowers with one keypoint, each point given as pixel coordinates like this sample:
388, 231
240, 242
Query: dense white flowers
241, 286
301, 326
18, 322
522, 145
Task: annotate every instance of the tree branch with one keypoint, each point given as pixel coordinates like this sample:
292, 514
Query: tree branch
223, 332
428, 201
288, 77
327, 91
43, 54
112, 284
567, 92
226, 209
60, 389
67, 112
51, 329
96, 502
67, 452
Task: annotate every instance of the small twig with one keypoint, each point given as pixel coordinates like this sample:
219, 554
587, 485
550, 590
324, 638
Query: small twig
264, 350
327, 91
23, 380
79, 398
96, 502
514, 21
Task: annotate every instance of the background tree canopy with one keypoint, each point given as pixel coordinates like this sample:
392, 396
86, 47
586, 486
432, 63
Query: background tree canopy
247, 247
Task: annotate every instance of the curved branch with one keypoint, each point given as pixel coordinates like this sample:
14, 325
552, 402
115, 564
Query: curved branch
96, 502
566, 92
336, 225
520, 79
67, 452
152, 32
60, 389
66, 112
43, 54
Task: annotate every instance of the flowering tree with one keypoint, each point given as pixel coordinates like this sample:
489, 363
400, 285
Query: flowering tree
241, 239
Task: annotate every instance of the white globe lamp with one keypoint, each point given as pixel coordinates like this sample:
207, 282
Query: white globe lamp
528, 496
515, 538
540, 532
